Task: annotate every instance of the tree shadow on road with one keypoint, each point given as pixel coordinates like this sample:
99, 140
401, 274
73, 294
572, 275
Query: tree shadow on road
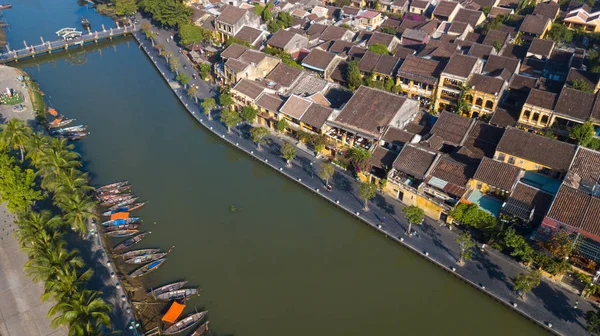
343, 183
383, 204
558, 304
432, 232
493, 271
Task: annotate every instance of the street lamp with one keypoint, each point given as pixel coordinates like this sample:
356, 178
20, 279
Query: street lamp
133, 325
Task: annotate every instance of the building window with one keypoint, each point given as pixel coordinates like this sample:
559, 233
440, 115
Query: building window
501, 157
479, 185
526, 115
545, 119
545, 171
511, 160
479, 102
536, 117
489, 104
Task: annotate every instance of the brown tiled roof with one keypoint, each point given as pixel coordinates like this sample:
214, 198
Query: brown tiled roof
493, 36
318, 59
524, 199
332, 33
231, 14
403, 53
497, 174
548, 9
496, 66
421, 69
541, 47
487, 84
589, 78
249, 88
534, 24
414, 161
453, 171
248, 34
504, 118
451, 127
281, 38
386, 65
522, 83
543, 99
233, 51
356, 52
460, 65
370, 110
284, 75
514, 51
269, 102
596, 109
458, 27
382, 38
481, 51
339, 73
316, 115
252, 56
368, 61
445, 8
474, 37
482, 140
295, 106
350, 10
586, 164
320, 99
535, 148
468, 16
397, 136
408, 24
316, 29
417, 35
495, 11
340, 46
382, 158
574, 103
576, 208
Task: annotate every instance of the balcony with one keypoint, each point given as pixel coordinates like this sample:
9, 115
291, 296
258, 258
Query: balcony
452, 85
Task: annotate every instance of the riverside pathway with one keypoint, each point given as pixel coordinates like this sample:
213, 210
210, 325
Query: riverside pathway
549, 305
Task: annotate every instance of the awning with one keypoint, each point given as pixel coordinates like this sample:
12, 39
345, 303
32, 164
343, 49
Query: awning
120, 215
52, 112
174, 312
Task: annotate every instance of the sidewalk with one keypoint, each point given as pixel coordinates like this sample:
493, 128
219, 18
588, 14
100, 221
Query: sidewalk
491, 272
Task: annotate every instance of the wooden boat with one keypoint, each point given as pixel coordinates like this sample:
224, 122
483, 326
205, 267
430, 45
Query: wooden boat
185, 323
147, 268
56, 123
118, 200
146, 258
130, 242
124, 203
167, 288
85, 23
177, 294
135, 253
111, 186
122, 227
122, 233
79, 128
5, 6
113, 197
203, 328
74, 136
115, 191
116, 222
126, 208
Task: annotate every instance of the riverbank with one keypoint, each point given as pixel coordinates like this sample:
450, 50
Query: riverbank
489, 272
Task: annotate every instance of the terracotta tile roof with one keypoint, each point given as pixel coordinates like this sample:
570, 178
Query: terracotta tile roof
421, 69
284, 75
481, 51
586, 164
534, 24
308, 84
458, 27
596, 109
403, 53
318, 59
356, 52
497, 174
522, 83
281, 38
316, 115
248, 34
269, 102
368, 61
387, 65
414, 161
577, 209
445, 8
249, 88
340, 46
589, 78
370, 110
252, 56
339, 72
408, 24
468, 16
487, 84
382, 158
422, 4
514, 51
415, 35
482, 140
316, 29
504, 118
496, 66
382, 38
474, 37
543, 99
495, 11
350, 10
541, 47
535, 148
451, 127
548, 9
460, 65
574, 103
493, 36
396, 136
453, 172
295, 106
231, 14
332, 33
233, 51
524, 199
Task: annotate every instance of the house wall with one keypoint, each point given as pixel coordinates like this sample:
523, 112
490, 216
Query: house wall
528, 165
483, 102
421, 90
528, 112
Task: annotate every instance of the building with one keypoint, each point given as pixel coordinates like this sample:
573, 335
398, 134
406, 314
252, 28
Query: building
456, 74
232, 20
368, 20
390, 41
534, 26
420, 7
446, 10
321, 61
495, 177
485, 93
583, 18
288, 41
419, 77
240, 62
255, 37
538, 109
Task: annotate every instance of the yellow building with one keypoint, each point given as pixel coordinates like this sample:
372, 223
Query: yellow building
418, 78
485, 94
581, 18
456, 74
495, 178
538, 109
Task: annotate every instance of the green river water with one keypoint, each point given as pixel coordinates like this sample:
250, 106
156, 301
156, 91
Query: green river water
288, 263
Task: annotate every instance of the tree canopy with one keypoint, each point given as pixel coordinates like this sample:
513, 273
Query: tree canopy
353, 76
379, 48
258, 135
125, 7
326, 171
288, 151
190, 34
592, 318
466, 244
249, 113
413, 214
472, 215
526, 282
367, 191
167, 12
230, 118
560, 33
583, 133
17, 185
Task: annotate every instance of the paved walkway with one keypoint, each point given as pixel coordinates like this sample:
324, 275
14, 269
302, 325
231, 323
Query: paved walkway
489, 271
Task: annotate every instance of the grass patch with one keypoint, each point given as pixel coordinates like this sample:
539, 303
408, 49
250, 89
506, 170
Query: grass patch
37, 98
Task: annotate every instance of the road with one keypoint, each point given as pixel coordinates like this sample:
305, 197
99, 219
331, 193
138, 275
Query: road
550, 305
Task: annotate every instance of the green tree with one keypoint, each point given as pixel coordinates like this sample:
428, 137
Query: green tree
68, 286
342, 3
326, 171
17, 186
379, 48
267, 15
58, 157
282, 124
15, 134
497, 45
466, 244
125, 7
592, 318
389, 30
249, 113
367, 191
518, 245
225, 100
174, 64
235, 40
273, 26
167, 12
230, 118
319, 142
191, 34
526, 282
472, 215
258, 9
79, 210
359, 158
85, 313
285, 19
353, 75
208, 104
581, 85
204, 70
53, 262
560, 33
414, 215
560, 244
389, 84
183, 78
35, 147
258, 136
151, 36
191, 92
374, 83
38, 229
486, 10
70, 181
288, 152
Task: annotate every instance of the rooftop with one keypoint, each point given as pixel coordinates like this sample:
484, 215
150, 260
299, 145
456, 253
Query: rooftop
497, 174
414, 161
316, 115
269, 102
543, 99
460, 65
284, 75
574, 103
295, 106
249, 88
534, 24
318, 59
526, 200
231, 14
451, 127
421, 69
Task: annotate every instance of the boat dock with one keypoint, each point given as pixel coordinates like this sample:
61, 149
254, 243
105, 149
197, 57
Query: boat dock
44, 47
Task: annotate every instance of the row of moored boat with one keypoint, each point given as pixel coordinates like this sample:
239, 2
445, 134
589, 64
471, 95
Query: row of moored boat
59, 127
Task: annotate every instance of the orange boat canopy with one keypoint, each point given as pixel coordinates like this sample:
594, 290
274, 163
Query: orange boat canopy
174, 312
56, 121
52, 112
120, 215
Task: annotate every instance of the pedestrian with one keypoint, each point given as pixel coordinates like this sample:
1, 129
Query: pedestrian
383, 220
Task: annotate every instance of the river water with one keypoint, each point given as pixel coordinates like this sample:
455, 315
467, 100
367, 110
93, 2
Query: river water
287, 262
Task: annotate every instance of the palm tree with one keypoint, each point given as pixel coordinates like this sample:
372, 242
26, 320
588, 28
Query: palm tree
53, 263
79, 210
36, 145
66, 287
38, 229
57, 157
70, 181
15, 134
85, 313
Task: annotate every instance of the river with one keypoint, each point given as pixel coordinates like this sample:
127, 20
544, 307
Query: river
287, 262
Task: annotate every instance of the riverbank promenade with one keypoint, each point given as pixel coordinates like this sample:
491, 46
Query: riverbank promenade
549, 305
